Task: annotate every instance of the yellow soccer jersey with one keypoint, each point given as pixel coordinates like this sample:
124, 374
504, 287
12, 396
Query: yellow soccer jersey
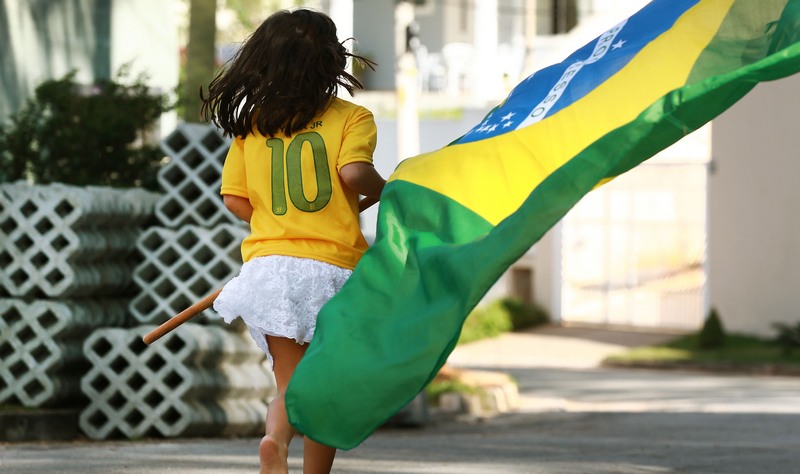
301, 207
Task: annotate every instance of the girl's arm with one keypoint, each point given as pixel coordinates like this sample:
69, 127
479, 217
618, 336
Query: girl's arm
364, 179
366, 203
239, 206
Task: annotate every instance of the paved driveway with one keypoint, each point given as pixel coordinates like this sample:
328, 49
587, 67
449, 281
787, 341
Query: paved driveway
573, 418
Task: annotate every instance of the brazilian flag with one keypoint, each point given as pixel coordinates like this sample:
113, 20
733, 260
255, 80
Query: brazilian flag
452, 221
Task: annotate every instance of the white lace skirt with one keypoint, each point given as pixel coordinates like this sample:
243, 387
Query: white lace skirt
280, 296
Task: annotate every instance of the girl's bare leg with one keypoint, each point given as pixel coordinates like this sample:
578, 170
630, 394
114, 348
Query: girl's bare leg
274, 448
317, 458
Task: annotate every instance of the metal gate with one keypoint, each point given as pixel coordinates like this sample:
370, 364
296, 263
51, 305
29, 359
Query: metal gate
634, 250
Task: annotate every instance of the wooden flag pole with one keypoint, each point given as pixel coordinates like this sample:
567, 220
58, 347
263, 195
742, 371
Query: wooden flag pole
206, 302
181, 318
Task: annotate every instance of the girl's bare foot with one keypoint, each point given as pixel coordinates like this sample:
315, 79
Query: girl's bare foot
273, 456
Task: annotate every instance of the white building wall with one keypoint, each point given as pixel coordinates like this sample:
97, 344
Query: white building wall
144, 35
754, 248
373, 28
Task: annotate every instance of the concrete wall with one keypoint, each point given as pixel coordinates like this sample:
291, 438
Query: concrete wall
373, 28
754, 228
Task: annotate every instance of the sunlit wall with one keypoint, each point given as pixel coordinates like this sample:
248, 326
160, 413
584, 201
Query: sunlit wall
754, 224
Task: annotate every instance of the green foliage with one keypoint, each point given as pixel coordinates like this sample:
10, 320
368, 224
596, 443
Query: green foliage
437, 388
13, 408
740, 351
484, 322
95, 135
499, 316
523, 315
788, 338
712, 335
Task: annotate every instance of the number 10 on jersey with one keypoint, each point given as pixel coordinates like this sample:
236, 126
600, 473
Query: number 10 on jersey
287, 173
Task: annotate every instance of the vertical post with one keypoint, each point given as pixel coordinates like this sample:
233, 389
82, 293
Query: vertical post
487, 80
341, 12
530, 35
407, 84
101, 58
200, 55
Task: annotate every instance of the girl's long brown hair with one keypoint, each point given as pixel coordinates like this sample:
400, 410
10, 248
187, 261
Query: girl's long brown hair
283, 76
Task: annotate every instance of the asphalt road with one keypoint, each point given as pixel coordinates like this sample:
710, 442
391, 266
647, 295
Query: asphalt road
548, 442
576, 419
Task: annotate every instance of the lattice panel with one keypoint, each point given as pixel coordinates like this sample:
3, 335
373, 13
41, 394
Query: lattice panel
195, 381
192, 178
41, 353
182, 266
62, 241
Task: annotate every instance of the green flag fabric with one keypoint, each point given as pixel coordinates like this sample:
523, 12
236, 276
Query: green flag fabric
452, 221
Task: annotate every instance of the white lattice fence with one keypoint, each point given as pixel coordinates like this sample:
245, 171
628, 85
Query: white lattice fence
60, 241
197, 381
41, 347
181, 266
192, 178
200, 379
67, 255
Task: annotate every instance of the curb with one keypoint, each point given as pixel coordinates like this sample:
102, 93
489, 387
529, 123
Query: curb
486, 393
38, 425
710, 367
